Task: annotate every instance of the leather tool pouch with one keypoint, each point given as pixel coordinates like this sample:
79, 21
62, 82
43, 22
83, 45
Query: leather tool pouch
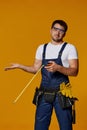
37, 96
49, 96
65, 102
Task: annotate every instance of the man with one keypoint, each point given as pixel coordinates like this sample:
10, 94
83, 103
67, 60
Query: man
60, 60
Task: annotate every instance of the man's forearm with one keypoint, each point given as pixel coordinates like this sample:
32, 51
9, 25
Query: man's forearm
67, 71
29, 69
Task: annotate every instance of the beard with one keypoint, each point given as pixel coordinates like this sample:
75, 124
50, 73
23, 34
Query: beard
57, 39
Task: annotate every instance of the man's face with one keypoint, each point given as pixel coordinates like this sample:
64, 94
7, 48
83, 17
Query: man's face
57, 33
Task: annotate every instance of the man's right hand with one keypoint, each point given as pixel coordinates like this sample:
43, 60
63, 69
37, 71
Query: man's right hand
12, 66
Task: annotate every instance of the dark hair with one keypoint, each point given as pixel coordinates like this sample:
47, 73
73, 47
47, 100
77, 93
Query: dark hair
61, 22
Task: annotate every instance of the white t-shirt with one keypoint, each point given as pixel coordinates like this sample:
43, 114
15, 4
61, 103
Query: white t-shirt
52, 52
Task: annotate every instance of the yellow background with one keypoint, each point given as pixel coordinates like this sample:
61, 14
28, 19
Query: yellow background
25, 24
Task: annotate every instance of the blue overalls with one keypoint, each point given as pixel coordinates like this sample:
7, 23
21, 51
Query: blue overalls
44, 109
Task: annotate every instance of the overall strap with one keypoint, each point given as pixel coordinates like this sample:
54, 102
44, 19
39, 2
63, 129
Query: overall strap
44, 48
60, 53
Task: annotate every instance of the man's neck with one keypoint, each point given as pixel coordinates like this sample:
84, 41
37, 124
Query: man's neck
56, 43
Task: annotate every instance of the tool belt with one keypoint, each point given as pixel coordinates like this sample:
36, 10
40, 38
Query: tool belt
65, 98
63, 92
48, 93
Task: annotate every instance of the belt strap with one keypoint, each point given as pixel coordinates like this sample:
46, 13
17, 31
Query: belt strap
51, 90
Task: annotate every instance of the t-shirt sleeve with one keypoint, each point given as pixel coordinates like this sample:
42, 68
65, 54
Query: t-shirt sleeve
39, 52
73, 54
